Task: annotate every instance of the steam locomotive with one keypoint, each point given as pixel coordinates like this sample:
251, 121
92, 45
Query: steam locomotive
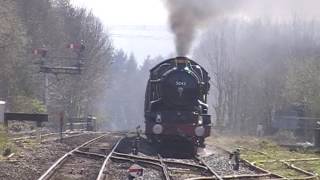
175, 102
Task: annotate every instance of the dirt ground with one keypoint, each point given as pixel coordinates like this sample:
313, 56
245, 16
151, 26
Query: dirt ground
31, 159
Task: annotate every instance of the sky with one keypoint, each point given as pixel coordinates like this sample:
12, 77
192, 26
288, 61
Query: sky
141, 26
138, 27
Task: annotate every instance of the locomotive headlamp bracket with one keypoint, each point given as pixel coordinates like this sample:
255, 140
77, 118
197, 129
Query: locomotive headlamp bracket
158, 118
200, 120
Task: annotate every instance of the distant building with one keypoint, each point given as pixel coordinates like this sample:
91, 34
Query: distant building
294, 118
288, 118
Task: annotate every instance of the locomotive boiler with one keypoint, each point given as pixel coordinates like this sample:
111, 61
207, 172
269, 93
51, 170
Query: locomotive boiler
176, 102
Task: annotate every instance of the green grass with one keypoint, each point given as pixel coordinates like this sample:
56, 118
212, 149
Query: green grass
260, 150
3, 141
281, 169
310, 166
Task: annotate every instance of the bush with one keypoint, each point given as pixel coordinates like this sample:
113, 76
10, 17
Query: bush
284, 136
27, 105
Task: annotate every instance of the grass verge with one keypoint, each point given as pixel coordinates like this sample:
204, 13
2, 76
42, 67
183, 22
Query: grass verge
260, 151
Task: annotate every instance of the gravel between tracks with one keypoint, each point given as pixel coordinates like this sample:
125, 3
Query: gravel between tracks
220, 164
215, 158
34, 159
79, 168
218, 160
119, 170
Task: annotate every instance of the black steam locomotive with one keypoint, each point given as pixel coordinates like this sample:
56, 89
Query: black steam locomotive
176, 102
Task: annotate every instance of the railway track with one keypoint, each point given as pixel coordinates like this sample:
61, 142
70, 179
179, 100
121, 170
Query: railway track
288, 164
53, 136
194, 168
100, 159
86, 161
173, 169
190, 169
262, 173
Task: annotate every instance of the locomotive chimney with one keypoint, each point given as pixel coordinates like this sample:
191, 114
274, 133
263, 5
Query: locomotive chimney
181, 62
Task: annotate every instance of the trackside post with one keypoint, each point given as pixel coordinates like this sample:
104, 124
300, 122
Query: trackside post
61, 125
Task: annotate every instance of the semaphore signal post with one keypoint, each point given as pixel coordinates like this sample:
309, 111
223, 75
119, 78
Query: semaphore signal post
78, 48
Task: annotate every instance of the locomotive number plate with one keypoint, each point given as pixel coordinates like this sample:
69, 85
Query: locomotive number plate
181, 83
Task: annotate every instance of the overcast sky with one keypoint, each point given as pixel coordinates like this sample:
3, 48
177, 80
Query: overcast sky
137, 26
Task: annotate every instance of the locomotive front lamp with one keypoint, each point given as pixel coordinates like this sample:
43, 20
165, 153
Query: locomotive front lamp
199, 131
157, 129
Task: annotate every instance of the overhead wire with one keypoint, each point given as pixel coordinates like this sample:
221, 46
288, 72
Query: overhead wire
116, 31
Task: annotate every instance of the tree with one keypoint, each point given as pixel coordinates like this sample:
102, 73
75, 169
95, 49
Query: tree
258, 68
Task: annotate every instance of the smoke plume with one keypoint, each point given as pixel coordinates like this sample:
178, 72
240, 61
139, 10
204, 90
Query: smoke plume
186, 16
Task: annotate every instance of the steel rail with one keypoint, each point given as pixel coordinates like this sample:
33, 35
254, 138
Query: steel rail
75, 134
290, 166
246, 176
309, 174
162, 162
101, 172
71, 134
157, 160
252, 165
209, 168
165, 168
48, 174
32, 137
90, 154
289, 160
48, 134
68, 137
241, 176
133, 161
305, 178
248, 163
139, 161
